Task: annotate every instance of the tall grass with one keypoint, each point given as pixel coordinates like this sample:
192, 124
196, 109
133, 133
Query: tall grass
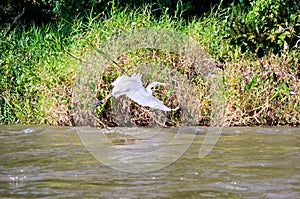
39, 66
33, 63
259, 90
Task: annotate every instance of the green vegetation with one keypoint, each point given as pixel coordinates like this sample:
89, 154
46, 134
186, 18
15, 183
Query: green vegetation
256, 45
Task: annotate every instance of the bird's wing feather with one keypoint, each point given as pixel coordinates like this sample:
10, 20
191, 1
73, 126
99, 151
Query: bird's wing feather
134, 77
134, 89
120, 79
124, 84
143, 98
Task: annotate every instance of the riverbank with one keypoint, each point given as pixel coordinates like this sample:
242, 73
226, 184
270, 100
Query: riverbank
40, 64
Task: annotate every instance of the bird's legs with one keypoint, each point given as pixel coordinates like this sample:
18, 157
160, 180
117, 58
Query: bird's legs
175, 109
99, 102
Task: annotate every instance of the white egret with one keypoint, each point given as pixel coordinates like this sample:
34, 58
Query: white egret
133, 88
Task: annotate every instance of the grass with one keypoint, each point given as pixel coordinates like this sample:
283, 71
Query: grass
263, 91
40, 67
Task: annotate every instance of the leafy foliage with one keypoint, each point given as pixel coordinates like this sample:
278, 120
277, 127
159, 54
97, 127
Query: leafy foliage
264, 26
37, 72
18, 81
44, 11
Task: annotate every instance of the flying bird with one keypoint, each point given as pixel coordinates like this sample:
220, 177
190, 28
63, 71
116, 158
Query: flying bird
133, 88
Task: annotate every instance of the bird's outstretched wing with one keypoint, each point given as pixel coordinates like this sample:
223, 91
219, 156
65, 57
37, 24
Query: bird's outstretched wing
124, 78
134, 89
124, 84
143, 98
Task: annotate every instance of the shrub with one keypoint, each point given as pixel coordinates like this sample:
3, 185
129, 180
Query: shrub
265, 26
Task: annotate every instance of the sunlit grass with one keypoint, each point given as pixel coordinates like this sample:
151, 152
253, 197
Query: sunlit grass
39, 66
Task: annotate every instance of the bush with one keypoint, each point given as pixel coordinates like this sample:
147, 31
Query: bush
44, 11
265, 26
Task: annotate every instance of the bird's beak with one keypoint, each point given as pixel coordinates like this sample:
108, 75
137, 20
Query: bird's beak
164, 84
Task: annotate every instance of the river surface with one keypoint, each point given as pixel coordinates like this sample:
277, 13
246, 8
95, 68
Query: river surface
56, 162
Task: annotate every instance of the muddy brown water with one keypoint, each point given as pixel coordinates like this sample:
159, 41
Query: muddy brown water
53, 162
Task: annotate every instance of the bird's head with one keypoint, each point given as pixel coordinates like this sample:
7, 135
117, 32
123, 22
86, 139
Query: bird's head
153, 84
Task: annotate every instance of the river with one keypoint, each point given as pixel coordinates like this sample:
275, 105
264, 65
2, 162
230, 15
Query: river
56, 162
